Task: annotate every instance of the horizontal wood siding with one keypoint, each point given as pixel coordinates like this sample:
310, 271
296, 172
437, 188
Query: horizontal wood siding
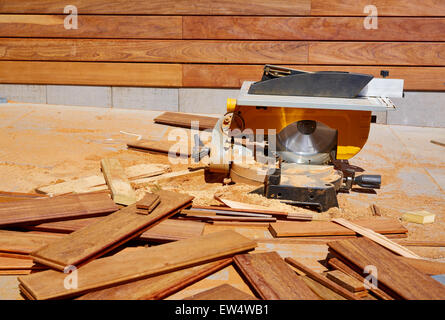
218, 43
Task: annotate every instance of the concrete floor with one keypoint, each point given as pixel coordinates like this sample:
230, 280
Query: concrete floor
40, 144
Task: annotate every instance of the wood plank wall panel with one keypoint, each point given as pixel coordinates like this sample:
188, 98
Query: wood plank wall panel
232, 76
312, 28
160, 7
92, 26
218, 43
433, 8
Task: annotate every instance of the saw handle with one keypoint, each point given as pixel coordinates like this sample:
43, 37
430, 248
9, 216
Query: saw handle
369, 181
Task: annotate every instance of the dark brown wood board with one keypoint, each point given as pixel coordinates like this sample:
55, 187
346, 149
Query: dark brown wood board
272, 278
109, 232
162, 146
157, 287
222, 292
185, 120
56, 208
137, 264
395, 277
167, 230
326, 228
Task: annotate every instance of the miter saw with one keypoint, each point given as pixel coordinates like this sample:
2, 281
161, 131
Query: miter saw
294, 131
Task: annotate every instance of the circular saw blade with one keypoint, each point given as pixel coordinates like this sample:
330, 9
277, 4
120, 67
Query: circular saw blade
307, 142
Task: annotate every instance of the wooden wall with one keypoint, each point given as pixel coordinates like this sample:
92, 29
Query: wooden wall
217, 43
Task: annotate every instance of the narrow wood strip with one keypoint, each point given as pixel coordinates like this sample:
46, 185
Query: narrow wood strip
169, 51
425, 266
380, 239
107, 233
24, 242
321, 279
271, 278
385, 8
163, 146
421, 243
395, 277
324, 292
185, 120
346, 281
91, 26
339, 265
56, 208
222, 292
144, 262
312, 28
116, 178
164, 7
277, 214
158, 287
91, 73
232, 76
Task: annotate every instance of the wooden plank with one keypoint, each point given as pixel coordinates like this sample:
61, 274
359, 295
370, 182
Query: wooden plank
107, 233
6, 196
222, 292
56, 208
425, 266
324, 292
165, 7
163, 146
271, 278
144, 262
395, 277
157, 287
380, 239
24, 242
385, 8
93, 183
7, 263
421, 243
232, 76
175, 51
91, 26
377, 53
201, 215
312, 28
321, 279
339, 265
148, 203
327, 228
171, 176
121, 189
185, 120
167, 230
91, 73
346, 281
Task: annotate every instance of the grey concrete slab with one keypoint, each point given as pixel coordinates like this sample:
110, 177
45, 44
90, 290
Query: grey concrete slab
23, 93
424, 109
161, 99
213, 101
90, 96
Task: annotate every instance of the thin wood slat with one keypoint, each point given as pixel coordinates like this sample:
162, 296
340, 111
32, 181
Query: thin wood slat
91, 73
377, 53
185, 120
158, 287
395, 277
144, 262
222, 292
116, 178
18, 264
380, 239
345, 281
232, 76
163, 146
165, 7
326, 228
6, 196
197, 214
324, 292
339, 265
107, 233
312, 28
272, 278
321, 279
425, 266
56, 208
171, 51
92, 26
385, 8
24, 242
167, 230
